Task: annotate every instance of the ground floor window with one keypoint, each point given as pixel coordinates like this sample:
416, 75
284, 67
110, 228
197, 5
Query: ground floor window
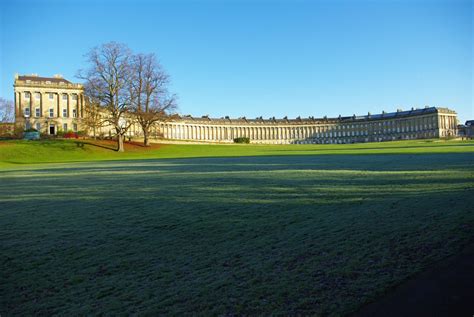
38, 126
65, 127
74, 126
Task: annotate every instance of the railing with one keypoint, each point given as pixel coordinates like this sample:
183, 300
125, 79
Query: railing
45, 84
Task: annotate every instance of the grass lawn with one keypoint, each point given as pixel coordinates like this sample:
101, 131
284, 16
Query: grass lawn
244, 229
14, 153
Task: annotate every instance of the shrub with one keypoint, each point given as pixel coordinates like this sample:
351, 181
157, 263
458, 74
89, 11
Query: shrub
70, 135
31, 130
18, 132
7, 130
242, 140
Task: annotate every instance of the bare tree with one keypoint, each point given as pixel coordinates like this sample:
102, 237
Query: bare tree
94, 117
151, 100
108, 81
7, 111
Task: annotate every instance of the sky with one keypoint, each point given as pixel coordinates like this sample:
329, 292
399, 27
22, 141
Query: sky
261, 58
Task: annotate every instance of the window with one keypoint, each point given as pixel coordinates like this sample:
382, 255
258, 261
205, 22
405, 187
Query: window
64, 113
74, 127
64, 97
37, 112
28, 125
27, 112
38, 126
65, 127
37, 95
51, 96
74, 113
27, 95
51, 112
74, 97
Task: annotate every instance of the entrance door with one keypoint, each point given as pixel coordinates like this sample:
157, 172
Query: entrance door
51, 129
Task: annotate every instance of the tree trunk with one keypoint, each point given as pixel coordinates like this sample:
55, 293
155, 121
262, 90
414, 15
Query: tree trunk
95, 138
146, 140
120, 143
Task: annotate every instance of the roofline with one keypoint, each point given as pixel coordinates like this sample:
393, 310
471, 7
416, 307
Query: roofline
309, 120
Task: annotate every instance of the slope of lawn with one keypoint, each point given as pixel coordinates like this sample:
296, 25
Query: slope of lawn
48, 151
256, 235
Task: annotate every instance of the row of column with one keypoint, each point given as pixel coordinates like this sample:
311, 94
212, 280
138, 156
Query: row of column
447, 122
20, 105
447, 125
226, 133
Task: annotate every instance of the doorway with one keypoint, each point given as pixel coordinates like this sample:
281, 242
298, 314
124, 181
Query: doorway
51, 129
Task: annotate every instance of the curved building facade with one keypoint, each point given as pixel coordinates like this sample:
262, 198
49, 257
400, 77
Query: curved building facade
53, 104
430, 122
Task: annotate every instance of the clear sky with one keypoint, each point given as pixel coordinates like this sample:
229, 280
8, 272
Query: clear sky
262, 58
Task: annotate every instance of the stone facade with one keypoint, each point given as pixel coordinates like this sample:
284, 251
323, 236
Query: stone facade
430, 122
48, 104
54, 104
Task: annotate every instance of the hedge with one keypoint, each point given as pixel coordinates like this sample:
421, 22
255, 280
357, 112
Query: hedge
242, 140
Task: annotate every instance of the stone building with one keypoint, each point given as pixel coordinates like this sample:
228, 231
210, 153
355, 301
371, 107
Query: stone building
55, 104
467, 130
48, 104
429, 122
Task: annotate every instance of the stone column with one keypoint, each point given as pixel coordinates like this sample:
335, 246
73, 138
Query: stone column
41, 105
31, 104
15, 101
59, 113
77, 106
68, 114
19, 104
82, 106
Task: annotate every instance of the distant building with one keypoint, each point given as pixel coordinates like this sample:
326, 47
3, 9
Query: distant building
55, 104
467, 130
429, 122
48, 104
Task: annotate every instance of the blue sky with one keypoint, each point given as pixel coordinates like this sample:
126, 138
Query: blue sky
262, 58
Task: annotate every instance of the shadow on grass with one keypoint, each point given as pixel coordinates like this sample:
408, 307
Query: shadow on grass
307, 235
95, 144
362, 148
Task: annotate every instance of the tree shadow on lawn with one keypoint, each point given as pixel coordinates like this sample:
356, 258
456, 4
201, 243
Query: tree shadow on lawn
368, 162
362, 148
216, 236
